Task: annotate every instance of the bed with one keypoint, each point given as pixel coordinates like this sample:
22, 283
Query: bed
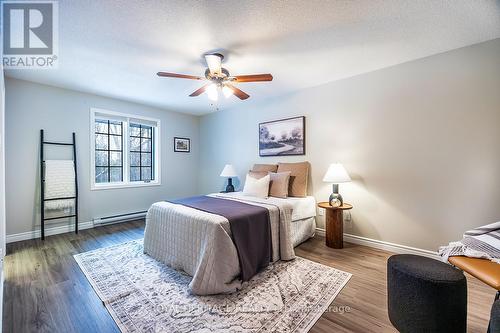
200, 244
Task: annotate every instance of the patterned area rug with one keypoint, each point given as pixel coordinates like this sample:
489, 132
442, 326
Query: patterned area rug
142, 295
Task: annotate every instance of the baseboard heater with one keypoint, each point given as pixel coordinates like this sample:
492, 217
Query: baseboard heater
118, 218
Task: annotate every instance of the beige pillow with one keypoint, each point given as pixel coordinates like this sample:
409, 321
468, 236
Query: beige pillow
257, 174
265, 167
278, 186
299, 174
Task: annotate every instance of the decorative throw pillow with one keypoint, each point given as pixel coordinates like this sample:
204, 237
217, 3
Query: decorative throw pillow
257, 187
257, 174
265, 167
299, 174
278, 186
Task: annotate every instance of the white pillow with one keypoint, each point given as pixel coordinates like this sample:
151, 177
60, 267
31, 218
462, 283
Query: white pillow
257, 187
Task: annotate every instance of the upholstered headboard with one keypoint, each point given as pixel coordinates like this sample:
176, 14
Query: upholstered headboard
299, 175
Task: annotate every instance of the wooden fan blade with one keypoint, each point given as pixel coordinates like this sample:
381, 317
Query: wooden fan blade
179, 76
237, 92
199, 91
214, 62
253, 78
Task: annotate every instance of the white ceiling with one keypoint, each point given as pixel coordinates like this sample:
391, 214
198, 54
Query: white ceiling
115, 48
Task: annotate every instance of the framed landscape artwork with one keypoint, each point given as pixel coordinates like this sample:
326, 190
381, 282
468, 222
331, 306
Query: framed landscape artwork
182, 145
282, 137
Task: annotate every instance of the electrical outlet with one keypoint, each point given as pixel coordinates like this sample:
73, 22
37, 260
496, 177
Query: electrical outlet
347, 217
321, 211
347, 221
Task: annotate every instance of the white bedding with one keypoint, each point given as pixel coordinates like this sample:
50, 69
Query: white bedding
200, 243
303, 225
303, 208
302, 230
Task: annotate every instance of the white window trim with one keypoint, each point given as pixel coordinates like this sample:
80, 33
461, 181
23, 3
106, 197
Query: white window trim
126, 167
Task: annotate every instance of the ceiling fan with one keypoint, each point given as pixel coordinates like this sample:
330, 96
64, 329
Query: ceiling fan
219, 79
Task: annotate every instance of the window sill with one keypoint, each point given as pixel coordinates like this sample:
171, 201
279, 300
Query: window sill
97, 187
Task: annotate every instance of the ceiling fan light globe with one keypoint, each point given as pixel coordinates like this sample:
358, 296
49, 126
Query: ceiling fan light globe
212, 92
227, 91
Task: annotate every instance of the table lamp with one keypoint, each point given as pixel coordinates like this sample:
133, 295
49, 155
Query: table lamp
229, 172
336, 174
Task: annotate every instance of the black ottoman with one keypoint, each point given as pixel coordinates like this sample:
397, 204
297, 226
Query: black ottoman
495, 318
425, 295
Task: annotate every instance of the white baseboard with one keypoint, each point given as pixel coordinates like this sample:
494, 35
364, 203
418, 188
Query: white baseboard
64, 229
382, 245
48, 232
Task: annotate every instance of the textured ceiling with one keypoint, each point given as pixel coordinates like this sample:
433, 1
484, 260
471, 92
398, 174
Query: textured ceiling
114, 48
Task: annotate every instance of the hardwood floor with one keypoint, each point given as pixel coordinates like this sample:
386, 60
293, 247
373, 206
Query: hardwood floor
366, 293
45, 291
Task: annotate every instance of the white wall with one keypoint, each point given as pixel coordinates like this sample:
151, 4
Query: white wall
421, 141
31, 107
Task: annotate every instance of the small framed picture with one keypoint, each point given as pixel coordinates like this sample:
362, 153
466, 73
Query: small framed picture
182, 145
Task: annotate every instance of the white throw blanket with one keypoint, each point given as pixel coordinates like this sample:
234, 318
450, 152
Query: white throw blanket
200, 243
59, 183
482, 242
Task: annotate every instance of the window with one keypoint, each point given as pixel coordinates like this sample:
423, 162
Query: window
108, 151
124, 150
141, 152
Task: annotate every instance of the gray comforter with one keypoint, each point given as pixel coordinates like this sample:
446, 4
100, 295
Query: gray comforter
199, 243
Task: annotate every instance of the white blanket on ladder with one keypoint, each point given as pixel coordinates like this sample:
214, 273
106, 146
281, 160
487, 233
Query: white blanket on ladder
59, 183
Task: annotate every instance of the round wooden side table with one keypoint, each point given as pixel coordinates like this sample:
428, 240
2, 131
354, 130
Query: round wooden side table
334, 224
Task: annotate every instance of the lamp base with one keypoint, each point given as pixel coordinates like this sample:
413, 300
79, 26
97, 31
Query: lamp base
229, 187
335, 199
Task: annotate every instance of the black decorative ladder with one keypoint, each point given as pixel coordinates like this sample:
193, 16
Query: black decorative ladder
42, 184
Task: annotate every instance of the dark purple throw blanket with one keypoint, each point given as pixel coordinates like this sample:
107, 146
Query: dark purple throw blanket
250, 228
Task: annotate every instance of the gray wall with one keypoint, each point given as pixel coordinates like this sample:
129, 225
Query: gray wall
31, 107
421, 141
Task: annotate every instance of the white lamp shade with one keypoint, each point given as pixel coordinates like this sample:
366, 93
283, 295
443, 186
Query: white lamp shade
336, 174
228, 171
